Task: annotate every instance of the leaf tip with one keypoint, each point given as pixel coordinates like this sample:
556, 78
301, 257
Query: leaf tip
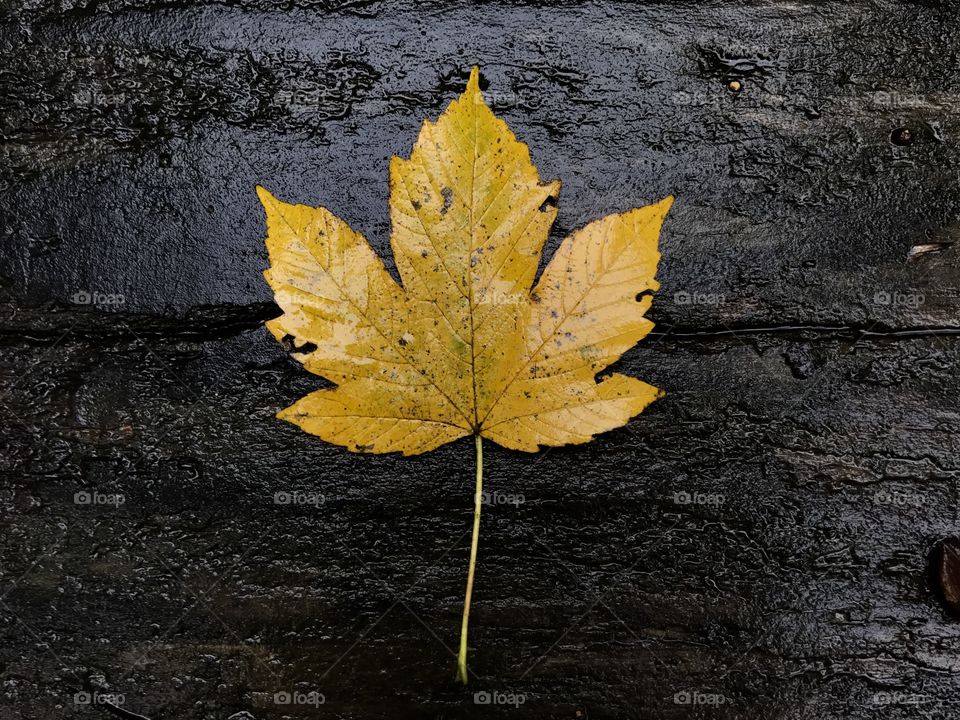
266, 197
473, 84
472, 92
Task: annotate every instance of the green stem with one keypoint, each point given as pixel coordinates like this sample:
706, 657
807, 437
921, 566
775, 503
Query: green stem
477, 503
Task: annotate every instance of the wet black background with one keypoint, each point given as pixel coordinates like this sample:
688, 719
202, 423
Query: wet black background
811, 383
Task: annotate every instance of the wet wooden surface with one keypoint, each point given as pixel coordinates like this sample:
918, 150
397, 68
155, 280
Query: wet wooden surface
756, 545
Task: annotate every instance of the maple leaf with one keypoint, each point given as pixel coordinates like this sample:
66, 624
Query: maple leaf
466, 346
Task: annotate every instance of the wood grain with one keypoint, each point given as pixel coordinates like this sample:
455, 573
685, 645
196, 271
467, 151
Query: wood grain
756, 545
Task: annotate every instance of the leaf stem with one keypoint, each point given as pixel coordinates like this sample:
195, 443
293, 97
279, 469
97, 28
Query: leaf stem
477, 504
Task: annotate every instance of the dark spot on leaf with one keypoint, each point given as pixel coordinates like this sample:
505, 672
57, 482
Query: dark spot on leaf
416, 205
554, 314
424, 253
447, 200
550, 202
535, 298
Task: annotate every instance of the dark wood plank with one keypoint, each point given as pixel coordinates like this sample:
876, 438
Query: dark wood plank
806, 340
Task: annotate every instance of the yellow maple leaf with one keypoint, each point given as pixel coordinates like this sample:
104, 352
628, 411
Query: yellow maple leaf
466, 346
